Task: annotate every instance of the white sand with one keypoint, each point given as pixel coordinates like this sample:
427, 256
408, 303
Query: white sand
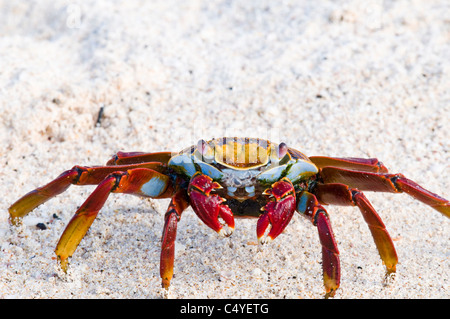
338, 78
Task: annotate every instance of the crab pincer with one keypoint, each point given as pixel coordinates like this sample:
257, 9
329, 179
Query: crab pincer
209, 207
277, 212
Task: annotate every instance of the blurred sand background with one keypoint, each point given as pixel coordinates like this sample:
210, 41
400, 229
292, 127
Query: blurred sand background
338, 78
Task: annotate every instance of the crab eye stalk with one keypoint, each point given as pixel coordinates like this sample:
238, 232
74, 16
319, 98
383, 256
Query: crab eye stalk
282, 150
202, 146
204, 150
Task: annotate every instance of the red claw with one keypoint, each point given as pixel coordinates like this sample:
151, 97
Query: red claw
278, 212
209, 207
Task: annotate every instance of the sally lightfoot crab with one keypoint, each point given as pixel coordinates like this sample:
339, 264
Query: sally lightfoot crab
226, 178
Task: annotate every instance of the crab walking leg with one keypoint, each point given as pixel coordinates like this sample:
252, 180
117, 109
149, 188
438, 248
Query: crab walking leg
138, 181
82, 220
309, 207
178, 204
78, 175
122, 158
33, 199
384, 182
360, 164
340, 194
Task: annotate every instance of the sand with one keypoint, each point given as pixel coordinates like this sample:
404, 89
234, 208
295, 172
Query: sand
337, 78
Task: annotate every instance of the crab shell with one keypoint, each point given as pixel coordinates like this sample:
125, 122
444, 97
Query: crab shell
243, 167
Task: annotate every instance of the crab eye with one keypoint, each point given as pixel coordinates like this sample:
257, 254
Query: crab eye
205, 151
202, 146
282, 150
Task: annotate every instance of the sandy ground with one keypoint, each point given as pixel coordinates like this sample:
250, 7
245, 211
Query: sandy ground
337, 78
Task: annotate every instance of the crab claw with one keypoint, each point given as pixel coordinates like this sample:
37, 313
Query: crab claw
277, 212
209, 207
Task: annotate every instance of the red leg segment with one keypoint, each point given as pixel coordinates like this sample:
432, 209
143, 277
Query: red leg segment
309, 206
340, 194
82, 221
384, 182
136, 181
33, 199
359, 164
177, 205
122, 158
78, 175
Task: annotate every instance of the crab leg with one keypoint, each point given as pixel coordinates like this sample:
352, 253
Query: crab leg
360, 164
384, 182
309, 207
121, 158
340, 194
138, 181
178, 204
78, 175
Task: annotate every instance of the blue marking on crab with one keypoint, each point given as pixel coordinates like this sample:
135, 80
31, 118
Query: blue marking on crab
295, 171
189, 165
300, 170
154, 187
302, 203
